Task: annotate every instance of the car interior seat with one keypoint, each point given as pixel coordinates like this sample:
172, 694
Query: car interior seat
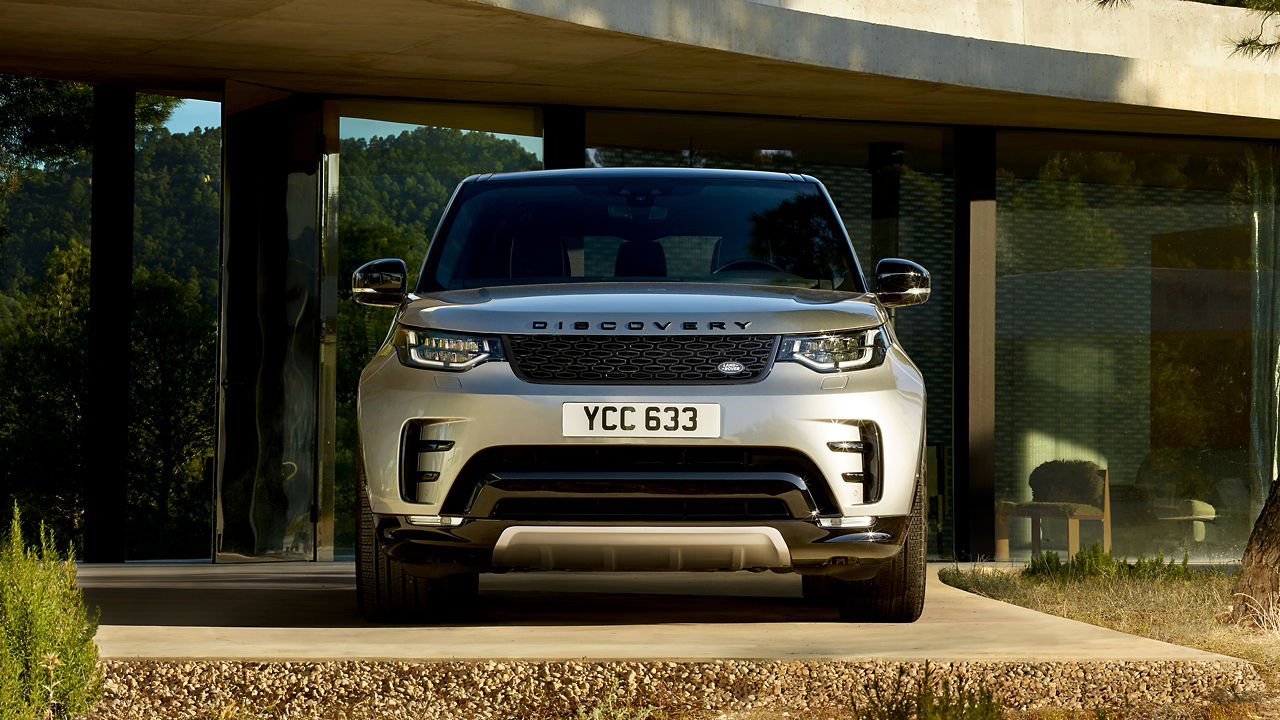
640, 258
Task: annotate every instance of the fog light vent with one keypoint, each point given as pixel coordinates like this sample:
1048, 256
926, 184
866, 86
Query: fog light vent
419, 459
871, 472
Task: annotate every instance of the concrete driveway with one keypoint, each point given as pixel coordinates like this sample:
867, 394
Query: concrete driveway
307, 611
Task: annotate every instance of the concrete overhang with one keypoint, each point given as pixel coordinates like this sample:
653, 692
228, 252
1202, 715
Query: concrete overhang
1157, 66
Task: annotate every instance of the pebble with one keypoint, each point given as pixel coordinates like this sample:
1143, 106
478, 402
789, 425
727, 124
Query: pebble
385, 690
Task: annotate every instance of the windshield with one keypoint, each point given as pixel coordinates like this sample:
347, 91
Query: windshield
641, 229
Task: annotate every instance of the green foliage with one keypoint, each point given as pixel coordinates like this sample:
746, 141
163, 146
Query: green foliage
48, 122
42, 393
178, 199
393, 191
48, 661
44, 300
1092, 562
172, 391
903, 697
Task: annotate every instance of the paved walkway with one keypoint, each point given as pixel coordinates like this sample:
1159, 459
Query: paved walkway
306, 611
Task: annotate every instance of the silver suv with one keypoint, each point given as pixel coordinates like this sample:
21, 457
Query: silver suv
627, 369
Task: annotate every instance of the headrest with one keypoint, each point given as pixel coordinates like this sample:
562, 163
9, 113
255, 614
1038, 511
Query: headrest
640, 259
538, 256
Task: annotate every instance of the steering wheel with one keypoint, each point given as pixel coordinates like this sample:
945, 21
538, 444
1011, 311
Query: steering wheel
748, 264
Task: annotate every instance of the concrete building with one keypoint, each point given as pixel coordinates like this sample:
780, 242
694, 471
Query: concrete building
1095, 192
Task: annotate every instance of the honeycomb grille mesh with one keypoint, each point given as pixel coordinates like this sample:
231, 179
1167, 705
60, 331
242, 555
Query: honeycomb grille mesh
640, 359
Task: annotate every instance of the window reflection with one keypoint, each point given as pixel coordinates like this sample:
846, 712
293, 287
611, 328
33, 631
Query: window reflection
1125, 306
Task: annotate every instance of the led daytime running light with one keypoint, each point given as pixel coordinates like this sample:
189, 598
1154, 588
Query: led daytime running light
836, 352
438, 350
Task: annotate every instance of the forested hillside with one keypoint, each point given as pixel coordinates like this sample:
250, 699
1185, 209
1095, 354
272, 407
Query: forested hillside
392, 191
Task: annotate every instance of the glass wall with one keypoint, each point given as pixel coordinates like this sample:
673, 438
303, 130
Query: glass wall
45, 237
1134, 331
45, 202
399, 164
177, 196
893, 187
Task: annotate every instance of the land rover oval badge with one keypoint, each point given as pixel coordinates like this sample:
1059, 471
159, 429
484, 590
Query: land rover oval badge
730, 367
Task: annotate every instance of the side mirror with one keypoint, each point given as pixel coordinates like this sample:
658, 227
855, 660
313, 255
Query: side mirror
380, 283
901, 282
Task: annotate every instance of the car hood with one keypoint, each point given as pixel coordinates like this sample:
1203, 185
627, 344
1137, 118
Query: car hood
648, 308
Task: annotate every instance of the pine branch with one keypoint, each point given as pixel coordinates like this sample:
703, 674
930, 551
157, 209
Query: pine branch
1254, 45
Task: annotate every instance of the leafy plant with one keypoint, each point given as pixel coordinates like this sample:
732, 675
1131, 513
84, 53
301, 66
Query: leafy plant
48, 662
1093, 562
929, 698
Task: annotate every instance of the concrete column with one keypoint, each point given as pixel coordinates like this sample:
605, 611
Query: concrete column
975, 333
276, 329
106, 417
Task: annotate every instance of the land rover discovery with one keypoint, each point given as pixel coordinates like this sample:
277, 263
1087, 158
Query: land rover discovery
641, 369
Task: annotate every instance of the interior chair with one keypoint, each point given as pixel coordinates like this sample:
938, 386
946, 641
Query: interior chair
1181, 489
1072, 489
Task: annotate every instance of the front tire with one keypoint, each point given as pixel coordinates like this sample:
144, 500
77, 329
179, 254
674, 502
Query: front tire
896, 593
385, 592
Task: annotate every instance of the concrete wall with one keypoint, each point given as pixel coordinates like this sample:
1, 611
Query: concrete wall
1167, 54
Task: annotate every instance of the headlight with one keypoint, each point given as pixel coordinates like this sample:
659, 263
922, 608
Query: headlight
438, 350
834, 352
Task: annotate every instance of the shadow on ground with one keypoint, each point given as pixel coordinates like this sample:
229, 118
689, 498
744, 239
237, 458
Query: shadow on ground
329, 600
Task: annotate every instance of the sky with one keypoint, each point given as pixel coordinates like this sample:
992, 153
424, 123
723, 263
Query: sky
201, 113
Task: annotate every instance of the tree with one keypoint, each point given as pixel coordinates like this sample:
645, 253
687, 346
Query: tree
42, 392
47, 121
393, 192
1259, 580
171, 416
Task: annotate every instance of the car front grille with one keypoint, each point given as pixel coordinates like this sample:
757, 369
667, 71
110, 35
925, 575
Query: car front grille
640, 359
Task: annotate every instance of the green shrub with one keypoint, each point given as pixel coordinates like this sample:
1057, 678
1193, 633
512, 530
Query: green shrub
904, 698
1092, 562
48, 662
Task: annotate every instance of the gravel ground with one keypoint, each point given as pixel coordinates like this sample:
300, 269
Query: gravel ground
165, 690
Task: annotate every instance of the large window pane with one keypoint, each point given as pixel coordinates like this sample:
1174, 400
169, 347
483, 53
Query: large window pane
1124, 315
177, 194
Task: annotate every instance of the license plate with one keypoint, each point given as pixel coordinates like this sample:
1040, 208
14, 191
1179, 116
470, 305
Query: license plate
695, 420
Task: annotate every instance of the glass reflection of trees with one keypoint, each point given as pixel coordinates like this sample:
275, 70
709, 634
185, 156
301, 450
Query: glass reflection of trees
800, 235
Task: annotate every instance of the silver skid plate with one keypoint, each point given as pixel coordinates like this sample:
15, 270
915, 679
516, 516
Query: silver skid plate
641, 548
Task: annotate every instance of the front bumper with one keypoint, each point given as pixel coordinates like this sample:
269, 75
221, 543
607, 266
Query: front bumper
785, 545
792, 408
